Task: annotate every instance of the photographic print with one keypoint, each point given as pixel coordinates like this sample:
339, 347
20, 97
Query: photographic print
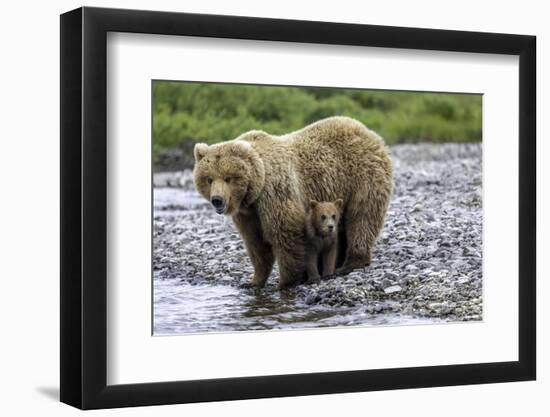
282, 207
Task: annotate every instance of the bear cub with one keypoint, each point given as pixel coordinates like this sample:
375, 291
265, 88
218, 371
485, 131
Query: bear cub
322, 237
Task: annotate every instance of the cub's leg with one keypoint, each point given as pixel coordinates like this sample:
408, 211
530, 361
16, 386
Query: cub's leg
311, 266
329, 259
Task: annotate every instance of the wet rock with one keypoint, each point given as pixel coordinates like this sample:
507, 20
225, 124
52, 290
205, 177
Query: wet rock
393, 289
386, 283
391, 276
312, 298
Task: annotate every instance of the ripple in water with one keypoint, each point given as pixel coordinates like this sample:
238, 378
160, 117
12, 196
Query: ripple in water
181, 307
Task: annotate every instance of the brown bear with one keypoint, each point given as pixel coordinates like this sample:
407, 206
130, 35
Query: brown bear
322, 238
265, 183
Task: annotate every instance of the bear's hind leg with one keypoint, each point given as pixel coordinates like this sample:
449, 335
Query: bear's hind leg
360, 240
292, 268
363, 220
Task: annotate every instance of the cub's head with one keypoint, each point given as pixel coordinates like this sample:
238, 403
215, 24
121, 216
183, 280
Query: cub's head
323, 217
230, 175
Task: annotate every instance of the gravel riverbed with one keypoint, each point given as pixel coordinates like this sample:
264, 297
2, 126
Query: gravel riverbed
427, 264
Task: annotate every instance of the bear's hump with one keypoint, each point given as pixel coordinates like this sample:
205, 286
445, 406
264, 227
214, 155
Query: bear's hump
338, 123
254, 136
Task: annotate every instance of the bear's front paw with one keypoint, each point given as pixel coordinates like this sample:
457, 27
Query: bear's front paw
253, 283
313, 278
343, 271
329, 276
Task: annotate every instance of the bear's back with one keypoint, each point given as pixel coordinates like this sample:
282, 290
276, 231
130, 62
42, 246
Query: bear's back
336, 156
331, 157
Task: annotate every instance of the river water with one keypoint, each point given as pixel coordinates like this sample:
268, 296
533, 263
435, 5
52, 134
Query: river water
184, 308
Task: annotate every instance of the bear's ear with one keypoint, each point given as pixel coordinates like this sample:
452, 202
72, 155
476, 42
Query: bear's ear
241, 148
312, 204
200, 151
339, 204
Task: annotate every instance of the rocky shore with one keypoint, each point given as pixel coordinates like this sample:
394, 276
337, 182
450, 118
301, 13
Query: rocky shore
427, 262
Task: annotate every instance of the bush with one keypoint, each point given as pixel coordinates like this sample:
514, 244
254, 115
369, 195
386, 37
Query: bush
186, 111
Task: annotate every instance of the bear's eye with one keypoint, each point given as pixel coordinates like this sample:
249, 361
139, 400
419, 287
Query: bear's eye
227, 179
334, 217
323, 217
209, 180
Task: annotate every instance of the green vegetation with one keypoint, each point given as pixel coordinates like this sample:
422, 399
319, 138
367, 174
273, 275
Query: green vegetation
215, 112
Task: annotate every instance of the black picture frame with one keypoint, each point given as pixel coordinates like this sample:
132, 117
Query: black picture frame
84, 207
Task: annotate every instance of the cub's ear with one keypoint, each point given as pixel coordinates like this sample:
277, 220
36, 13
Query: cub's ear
312, 204
339, 204
200, 151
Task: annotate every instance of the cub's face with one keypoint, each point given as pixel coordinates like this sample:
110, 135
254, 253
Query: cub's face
221, 175
325, 216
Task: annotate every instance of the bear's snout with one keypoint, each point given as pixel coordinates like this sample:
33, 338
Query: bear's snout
219, 203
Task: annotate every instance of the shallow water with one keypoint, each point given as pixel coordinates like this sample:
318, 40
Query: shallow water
182, 308
184, 304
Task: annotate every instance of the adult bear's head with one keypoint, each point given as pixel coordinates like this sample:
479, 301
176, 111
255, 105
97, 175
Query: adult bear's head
230, 175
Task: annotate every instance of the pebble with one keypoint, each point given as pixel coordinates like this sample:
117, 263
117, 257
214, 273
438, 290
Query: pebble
393, 289
386, 283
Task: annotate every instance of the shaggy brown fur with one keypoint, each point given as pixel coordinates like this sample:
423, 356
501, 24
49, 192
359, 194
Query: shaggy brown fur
265, 183
322, 238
